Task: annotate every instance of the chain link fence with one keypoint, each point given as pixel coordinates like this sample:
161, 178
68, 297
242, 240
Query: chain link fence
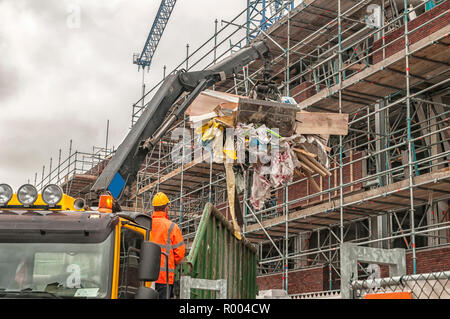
421, 286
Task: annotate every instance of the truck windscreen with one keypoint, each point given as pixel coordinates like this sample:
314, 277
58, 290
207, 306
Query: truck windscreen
65, 270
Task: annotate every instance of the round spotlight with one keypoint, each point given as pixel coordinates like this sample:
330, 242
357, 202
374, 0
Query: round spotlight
52, 194
27, 194
79, 203
6, 193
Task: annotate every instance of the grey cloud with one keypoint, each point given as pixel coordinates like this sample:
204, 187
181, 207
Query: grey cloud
9, 83
58, 83
31, 142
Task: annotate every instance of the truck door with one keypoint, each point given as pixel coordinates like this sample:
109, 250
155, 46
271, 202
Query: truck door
130, 245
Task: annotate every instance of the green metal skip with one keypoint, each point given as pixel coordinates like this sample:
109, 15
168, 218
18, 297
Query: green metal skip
217, 254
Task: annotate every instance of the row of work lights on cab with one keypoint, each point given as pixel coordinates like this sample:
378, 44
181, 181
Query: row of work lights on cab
27, 196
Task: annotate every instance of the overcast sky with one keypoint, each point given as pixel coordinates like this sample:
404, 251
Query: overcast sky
66, 68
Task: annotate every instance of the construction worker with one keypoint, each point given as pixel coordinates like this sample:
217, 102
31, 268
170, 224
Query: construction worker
168, 235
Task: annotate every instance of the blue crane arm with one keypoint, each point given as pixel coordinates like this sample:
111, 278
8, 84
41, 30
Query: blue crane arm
161, 20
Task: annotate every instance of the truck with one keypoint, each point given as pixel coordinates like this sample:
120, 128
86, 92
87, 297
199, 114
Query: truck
53, 246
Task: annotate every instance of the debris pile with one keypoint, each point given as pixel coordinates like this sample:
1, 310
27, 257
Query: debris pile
276, 140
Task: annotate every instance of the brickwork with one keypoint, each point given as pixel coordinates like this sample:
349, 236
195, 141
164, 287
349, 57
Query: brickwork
304, 188
308, 88
317, 279
307, 280
414, 37
429, 260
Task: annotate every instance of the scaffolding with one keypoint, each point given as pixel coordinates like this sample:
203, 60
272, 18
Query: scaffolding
75, 173
383, 62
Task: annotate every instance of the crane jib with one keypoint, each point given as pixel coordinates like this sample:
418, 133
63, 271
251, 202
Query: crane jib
122, 168
156, 32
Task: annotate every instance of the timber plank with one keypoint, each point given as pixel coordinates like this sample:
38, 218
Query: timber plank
321, 123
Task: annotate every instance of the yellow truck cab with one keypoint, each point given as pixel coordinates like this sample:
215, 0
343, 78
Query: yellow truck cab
51, 247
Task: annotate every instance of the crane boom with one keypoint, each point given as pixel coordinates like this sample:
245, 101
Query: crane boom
158, 116
156, 32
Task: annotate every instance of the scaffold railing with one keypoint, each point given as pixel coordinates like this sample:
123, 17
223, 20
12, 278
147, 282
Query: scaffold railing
77, 163
397, 147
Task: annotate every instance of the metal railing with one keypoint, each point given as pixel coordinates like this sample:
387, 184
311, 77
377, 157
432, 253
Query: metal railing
421, 286
76, 163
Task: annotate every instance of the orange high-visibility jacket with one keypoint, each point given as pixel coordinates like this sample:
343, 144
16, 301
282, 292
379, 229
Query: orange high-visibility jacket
168, 236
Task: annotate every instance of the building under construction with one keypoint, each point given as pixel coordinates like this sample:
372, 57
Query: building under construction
385, 63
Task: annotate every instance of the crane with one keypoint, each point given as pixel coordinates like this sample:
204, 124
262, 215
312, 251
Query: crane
159, 24
159, 115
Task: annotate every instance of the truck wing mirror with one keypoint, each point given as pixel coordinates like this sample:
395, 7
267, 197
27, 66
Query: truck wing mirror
150, 261
146, 293
144, 221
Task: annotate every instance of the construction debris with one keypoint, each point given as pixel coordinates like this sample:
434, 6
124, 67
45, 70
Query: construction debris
281, 141
210, 104
271, 114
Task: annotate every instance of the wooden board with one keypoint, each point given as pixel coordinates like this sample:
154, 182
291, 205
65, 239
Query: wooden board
321, 123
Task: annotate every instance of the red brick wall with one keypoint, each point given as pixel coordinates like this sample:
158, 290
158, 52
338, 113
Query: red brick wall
429, 260
307, 280
308, 88
417, 35
98, 168
303, 188
223, 208
317, 279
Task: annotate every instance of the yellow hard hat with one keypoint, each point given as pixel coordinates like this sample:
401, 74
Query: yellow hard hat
160, 199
